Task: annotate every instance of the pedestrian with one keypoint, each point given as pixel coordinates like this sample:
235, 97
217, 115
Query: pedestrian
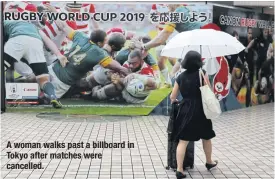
191, 122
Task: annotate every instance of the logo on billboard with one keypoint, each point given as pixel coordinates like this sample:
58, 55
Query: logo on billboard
30, 89
13, 88
13, 91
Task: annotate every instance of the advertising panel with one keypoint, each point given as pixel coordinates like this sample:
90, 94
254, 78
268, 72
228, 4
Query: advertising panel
95, 67
251, 72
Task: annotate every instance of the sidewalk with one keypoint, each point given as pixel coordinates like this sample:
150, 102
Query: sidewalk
244, 146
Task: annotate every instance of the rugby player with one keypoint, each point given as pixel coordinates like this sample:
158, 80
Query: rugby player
123, 55
135, 87
83, 56
240, 78
264, 87
169, 28
84, 26
55, 34
100, 75
158, 9
24, 40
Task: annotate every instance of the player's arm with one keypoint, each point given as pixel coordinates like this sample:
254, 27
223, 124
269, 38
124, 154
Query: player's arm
106, 61
161, 38
117, 81
149, 59
251, 44
62, 25
54, 49
151, 84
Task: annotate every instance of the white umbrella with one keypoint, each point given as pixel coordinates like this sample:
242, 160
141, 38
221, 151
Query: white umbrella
209, 43
212, 66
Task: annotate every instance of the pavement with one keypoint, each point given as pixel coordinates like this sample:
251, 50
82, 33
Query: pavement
244, 146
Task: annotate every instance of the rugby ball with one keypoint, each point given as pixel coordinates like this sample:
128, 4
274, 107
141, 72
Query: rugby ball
136, 88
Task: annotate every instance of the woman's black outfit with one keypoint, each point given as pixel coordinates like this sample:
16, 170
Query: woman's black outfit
191, 122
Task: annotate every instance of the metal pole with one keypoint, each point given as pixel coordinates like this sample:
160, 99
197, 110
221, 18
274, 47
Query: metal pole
2, 70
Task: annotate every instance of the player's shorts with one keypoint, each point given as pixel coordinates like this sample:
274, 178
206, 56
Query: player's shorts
159, 48
131, 99
26, 47
60, 87
100, 75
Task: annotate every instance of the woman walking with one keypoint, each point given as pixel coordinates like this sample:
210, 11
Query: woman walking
191, 122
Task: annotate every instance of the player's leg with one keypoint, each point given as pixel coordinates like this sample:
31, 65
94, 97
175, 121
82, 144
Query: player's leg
35, 57
25, 71
14, 50
106, 92
9, 67
172, 61
162, 66
43, 78
81, 86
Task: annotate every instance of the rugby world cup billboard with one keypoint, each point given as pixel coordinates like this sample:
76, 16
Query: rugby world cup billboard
250, 72
81, 76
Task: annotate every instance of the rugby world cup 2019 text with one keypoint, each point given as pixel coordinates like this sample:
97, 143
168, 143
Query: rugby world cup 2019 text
72, 16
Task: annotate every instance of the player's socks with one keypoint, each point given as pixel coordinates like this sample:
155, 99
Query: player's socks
166, 76
48, 88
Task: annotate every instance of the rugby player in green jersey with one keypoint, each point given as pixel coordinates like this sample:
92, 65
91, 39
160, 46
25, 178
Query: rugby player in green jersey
83, 56
99, 75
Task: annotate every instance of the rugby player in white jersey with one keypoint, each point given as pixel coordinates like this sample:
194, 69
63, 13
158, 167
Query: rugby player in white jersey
83, 26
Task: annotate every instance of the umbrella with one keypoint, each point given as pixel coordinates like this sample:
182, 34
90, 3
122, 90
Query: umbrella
208, 42
212, 65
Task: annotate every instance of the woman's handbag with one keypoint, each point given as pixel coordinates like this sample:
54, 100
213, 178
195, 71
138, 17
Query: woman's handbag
211, 105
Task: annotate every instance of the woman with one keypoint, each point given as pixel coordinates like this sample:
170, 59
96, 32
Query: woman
191, 122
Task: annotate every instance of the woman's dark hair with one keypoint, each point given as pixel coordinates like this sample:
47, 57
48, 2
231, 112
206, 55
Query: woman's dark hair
192, 61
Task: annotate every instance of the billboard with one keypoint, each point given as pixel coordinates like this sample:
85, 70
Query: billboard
132, 85
251, 72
